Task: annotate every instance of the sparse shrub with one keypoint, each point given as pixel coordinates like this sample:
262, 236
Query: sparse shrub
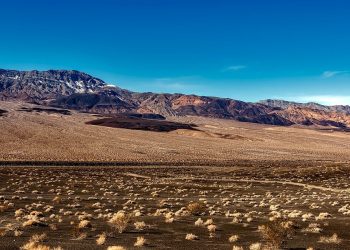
209, 222
101, 239
116, 248
199, 222
34, 246
323, 216
17, 233
211, 228
334, 239
140, 225
19, 212
38, 238
34, 222
191, 237
84, 224
276, 233
196, 208
313, 228
140, 241
233, 238
53, 227
255, 246
31, 245
237, 248
169, 217
120, 221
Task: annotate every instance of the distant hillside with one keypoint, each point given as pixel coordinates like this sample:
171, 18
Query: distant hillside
311, 105
76, 90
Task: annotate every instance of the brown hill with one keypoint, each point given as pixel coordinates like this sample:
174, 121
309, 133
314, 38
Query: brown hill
80, 91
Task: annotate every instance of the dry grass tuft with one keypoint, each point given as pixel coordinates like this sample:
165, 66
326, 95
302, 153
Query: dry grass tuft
256, 246
334, 239
140, 241
31, 245
140, 225
191, 237
38, 238
199, 223
120, 221
237, 248
116, 248
101, 239
34, 246
276, 233
84, 224
196, 208
233, 238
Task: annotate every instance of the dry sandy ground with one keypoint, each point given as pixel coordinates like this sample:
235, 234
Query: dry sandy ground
46, 137
240, 185
71, 207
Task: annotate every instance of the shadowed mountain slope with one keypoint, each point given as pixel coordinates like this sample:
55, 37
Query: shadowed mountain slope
71, 89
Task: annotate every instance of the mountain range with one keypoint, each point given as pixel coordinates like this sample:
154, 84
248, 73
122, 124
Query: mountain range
72, 89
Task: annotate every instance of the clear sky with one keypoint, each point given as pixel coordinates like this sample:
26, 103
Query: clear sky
242, 49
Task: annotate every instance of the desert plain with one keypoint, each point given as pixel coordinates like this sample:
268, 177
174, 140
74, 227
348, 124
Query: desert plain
218, 184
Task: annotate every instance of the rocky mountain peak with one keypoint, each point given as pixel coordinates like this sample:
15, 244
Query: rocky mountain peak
36, 86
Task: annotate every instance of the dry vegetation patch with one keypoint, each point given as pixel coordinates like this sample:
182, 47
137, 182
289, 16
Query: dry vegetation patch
191, 207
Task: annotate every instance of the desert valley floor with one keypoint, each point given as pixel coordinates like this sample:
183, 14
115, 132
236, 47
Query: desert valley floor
222, 185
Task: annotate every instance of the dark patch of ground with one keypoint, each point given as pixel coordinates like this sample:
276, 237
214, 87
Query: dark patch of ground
2, 112
46, 110
139, 123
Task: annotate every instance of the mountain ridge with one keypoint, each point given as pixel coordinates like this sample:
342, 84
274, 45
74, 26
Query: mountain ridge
72, 89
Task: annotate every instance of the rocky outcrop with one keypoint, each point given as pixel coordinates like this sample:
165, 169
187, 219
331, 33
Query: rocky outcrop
40, 86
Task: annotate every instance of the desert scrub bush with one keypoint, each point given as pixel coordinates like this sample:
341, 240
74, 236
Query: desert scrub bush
256, 246
84, 224
334, 239
233, 238
276, 233
120, 221
199, 223
211, 228
31, 245
77, 233
140, 225
237, 248
116, 248
101, 239
140, 242
17, 232
19, 212
191, 237
38, 238
196, 208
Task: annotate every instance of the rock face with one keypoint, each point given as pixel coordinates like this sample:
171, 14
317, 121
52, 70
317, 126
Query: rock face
80, 91
39, 86
310, 105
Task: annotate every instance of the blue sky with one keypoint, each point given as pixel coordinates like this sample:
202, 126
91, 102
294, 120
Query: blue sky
242, 49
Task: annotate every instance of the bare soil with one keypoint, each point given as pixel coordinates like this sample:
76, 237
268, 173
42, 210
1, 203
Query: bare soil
57, 172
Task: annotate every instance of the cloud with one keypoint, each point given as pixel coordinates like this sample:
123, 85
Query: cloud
330, 73
235, 68
323, 99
